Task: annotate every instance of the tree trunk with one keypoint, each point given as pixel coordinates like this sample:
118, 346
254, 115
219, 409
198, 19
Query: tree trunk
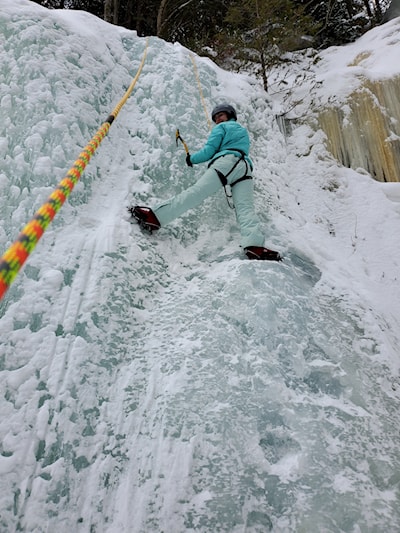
349, 8
160, 17
139, 18
108, 11
129, 19
368, 9
111, 9
116, 11
264, 70
261, 49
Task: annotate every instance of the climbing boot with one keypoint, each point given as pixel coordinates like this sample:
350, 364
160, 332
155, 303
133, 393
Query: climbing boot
145, 218
259, 252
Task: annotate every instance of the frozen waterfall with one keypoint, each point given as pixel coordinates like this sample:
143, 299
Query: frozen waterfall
164, 383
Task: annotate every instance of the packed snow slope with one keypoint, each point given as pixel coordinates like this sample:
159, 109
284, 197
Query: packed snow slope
164, 383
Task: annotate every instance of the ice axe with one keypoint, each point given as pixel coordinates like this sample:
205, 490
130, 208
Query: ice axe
179, 138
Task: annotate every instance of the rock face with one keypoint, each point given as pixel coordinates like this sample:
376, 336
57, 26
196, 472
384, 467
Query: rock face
365, 132
352, 94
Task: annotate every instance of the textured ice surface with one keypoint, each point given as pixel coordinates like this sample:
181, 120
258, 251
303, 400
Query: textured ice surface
165, 383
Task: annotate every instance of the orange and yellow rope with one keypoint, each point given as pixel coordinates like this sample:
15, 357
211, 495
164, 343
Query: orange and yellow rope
17, 254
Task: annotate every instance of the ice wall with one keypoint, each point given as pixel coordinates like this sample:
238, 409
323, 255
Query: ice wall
163, 383
365, 132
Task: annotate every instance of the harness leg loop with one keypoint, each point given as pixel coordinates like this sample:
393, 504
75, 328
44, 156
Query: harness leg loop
224, 178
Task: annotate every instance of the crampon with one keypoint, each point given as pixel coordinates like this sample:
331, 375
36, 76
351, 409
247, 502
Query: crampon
145, 217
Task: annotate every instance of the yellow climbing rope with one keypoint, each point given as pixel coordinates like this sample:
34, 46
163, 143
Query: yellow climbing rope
132, 85
196, 73
177, 133
17, 254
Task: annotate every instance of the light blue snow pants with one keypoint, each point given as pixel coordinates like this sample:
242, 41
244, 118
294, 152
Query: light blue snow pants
208, 184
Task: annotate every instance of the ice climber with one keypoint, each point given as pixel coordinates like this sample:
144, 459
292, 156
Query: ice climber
227, 151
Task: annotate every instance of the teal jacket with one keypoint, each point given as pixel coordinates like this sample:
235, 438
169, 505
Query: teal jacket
224, 138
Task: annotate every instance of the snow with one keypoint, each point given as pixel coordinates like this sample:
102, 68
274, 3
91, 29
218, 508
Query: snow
164, 383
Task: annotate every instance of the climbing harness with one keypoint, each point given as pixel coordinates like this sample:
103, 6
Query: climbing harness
14, 258
224, 177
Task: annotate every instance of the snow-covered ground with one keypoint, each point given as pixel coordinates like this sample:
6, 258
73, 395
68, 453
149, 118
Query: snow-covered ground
164, 383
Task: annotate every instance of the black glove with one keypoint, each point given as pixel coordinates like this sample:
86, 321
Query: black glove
188, 162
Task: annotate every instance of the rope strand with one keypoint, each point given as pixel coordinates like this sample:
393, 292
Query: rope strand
196, 73
16, 255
